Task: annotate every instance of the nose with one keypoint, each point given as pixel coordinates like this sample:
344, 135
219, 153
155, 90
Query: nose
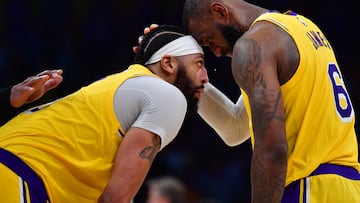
215, 49
204, 75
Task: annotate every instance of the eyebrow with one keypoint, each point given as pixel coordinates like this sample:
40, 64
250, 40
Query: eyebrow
202, 37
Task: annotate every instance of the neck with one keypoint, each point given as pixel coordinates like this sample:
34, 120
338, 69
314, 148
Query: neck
157, 70
246, 13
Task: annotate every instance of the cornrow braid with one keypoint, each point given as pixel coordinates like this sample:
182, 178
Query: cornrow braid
155, 40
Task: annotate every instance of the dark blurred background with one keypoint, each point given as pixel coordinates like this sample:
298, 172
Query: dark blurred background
89, 39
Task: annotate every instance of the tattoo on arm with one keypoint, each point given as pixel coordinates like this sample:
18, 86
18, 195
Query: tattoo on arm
266, 186
244, 63
106, 197
266, 109
246, 72
267, 178
149, 152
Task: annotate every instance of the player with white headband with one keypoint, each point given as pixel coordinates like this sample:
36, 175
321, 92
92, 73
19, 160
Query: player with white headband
180, 47
98, 143
228, 119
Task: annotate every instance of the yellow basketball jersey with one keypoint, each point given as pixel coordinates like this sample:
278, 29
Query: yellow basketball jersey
71, 142
318, 111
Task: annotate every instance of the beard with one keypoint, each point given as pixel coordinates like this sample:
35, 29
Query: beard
188, 88
230, 33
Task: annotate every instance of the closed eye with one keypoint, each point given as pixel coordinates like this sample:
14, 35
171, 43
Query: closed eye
204, 41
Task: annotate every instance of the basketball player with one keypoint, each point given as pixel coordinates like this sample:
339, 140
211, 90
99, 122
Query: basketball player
228, 119
300, 114
97, 144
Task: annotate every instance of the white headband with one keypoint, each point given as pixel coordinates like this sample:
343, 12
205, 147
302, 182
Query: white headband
182, 46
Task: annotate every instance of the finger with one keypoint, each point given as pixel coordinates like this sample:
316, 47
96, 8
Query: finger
51, 72
135, 49
59, 71
146, 30
46, 72
153, 26
52, 83
140, 39
35, 81
56, 74
20, 94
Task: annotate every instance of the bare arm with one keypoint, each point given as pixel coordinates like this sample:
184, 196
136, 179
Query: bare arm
132, 163
254, 67
229, 120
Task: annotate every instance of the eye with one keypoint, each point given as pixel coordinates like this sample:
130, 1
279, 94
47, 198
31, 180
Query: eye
205, 41
202, 42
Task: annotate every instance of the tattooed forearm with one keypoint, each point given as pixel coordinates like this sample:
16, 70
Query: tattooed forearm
265, 110
106, 197
267, 184
150, 152
256, 74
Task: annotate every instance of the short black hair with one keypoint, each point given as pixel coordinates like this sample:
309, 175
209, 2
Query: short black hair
194, 9
156, 39
171, 187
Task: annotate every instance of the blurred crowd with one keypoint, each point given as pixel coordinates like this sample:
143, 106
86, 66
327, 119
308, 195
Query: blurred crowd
89, 39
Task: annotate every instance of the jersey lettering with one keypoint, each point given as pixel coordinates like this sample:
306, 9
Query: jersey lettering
343, 104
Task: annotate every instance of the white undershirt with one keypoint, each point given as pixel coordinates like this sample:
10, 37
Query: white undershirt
228, 119
152, 104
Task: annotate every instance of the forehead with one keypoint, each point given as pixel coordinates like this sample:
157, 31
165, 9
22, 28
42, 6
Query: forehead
197, 28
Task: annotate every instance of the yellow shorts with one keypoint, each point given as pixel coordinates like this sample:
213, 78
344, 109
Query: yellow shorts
12, 187
18, 182
327, 184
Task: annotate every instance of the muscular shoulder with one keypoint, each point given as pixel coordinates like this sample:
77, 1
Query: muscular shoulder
267, 47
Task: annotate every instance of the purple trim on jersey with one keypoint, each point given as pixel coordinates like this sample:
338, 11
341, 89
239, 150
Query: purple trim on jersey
345, 171
292, 191
292, 13
24, 191
36, 187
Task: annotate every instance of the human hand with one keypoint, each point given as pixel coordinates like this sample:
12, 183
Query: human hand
34, 87
146, 31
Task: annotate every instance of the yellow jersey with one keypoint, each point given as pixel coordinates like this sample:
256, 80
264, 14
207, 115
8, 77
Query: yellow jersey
319, 116
71, 143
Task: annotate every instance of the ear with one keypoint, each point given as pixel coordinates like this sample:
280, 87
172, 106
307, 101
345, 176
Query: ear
219, 11
168, 64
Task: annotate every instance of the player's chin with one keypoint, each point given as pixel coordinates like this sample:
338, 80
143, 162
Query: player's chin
198, 94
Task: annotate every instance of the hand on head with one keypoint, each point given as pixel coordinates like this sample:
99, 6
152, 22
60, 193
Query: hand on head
146, 31
34, 87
